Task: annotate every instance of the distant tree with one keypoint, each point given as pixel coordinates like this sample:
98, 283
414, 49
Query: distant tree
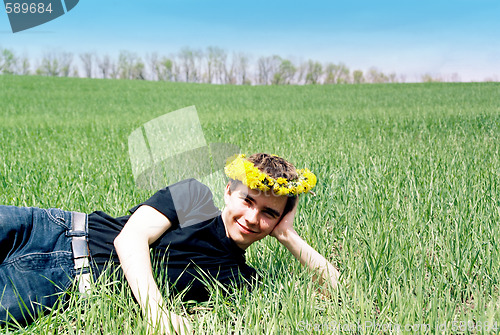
357, 77
167, 70
139, 70
230, 73
8, 61
130, 66
240, 61
428, 78
314, 71
87, 59
198, 66
284, 74
216, 65
50, 65
65, 60
331, 73
186, 58
114, 72
124, 64
190, 60
375, 76
75, 73
300, 76
337, 74
24, 68
209, 73
264, 68
161, 68
105, 66
491, 79
393, 77
267, 67
222, 72
152, 62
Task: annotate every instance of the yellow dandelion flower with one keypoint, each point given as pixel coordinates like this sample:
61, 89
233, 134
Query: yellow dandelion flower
263, 187
299, 189
311, 177
252, 175
283, 191
307, 187
281, 181
239, 168
253, 183
270, 181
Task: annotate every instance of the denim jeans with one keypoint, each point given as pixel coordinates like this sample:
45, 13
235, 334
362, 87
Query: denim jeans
36, 260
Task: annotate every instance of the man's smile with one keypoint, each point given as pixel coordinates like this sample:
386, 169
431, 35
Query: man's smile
245, 229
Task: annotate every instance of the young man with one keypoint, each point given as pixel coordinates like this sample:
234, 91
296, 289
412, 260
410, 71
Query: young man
180, 223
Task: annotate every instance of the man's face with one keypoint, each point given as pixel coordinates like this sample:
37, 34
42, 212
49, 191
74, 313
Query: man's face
251, 215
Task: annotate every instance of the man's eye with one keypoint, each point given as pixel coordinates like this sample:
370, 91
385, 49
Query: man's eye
270, 215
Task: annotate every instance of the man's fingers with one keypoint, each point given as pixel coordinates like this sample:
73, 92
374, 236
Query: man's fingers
181, 325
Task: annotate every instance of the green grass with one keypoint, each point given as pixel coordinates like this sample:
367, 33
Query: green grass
407, 205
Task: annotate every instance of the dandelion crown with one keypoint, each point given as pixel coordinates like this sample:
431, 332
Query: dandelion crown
239, 168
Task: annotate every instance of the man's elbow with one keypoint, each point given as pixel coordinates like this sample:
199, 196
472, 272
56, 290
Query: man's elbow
120, 242
127, 241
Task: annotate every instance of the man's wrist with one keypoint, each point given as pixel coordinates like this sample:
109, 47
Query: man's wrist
285, 237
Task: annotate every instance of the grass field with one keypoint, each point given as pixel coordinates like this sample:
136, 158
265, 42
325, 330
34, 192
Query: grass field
407, 204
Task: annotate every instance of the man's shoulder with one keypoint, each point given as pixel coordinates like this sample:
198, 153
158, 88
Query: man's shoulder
190, 184
193, 201
190, 188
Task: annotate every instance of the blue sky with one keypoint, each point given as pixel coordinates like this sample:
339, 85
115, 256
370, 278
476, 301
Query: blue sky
409, 37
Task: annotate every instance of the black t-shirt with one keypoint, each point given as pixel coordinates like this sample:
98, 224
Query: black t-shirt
193, 249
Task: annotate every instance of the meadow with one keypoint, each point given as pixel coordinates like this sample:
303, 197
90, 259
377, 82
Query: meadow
407, 204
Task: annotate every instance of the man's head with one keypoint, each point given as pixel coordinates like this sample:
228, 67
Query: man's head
251, 214
275, 167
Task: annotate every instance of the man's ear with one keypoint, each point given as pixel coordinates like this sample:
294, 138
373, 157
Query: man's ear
227, 193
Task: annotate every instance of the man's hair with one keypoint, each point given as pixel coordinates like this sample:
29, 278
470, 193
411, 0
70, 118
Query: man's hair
275, 167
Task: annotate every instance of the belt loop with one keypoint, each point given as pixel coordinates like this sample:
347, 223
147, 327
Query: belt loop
79, 245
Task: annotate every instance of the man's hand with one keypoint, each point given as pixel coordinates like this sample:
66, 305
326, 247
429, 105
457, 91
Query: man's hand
181, 325
170, 324
285, 226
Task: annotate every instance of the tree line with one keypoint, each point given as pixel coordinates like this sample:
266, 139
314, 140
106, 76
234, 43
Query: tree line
212, 65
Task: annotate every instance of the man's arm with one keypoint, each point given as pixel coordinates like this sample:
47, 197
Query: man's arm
286, 235
143, 228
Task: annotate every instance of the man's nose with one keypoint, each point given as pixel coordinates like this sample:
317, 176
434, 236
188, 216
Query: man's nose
252, 216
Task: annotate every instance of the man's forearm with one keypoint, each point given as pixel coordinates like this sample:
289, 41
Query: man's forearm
310, 257
143, 228
136, 264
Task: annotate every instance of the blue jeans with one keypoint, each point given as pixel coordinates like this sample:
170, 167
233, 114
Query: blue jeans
36, 260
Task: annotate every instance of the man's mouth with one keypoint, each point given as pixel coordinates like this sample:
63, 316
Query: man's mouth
245, 229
